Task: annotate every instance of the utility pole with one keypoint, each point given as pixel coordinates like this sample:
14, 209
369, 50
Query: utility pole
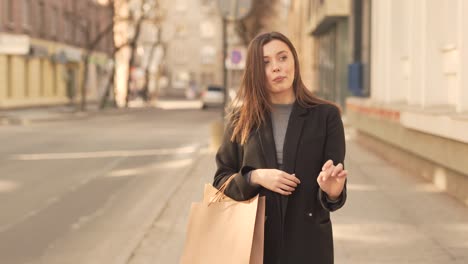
231, 11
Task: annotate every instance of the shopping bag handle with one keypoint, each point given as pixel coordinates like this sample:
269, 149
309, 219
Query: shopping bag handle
220, 193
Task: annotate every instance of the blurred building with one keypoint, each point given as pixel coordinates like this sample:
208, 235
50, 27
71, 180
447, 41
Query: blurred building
416, 111
41, 50
191, 32
320, 31
400, 68
275, 18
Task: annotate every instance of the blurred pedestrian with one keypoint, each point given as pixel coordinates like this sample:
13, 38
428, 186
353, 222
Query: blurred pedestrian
286, 144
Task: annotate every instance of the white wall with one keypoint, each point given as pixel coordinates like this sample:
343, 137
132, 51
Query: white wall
462, 89
420, 53
399, 47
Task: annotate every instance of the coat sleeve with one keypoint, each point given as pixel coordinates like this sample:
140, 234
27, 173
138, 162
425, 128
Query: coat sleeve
335, 148
229, 161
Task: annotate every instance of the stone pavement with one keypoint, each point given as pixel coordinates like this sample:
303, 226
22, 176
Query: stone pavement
390, 216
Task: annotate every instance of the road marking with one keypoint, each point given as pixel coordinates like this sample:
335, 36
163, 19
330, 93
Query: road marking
107, 154
8, 186
54, 199
146, 169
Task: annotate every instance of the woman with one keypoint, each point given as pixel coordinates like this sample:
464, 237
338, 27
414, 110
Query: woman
289, 146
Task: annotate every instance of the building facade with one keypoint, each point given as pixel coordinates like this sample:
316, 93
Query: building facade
320, 31
417, 108
41, 50
298, 16
329, 25
192, 36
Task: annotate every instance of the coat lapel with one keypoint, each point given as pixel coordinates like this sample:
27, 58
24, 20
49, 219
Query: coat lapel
267, 143
291, 144
292, 138
291, 141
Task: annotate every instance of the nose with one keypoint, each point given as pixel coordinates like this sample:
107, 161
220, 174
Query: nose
275, 67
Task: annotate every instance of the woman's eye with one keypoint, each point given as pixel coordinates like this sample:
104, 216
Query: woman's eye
283, 58
266, 62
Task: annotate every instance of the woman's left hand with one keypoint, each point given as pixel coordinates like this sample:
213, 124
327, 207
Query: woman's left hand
332, 179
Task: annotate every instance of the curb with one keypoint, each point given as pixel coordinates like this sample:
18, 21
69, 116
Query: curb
178, 104
53, 116
137, 242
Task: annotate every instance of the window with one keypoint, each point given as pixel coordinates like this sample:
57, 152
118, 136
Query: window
26, 8
66, 26
8, 11
42, 19
54, 20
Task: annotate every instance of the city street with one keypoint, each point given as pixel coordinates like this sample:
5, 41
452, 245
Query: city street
118, 188
86, 190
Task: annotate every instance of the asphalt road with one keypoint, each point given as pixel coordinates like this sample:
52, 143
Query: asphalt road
84, 191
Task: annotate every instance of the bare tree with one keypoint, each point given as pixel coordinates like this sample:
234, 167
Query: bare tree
92, 40
145, 13
257, 20
111, 81
157, 20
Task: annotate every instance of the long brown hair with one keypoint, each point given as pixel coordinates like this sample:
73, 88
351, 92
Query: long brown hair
252, 103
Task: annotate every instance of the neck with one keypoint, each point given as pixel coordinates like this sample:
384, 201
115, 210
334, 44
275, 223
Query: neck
283, 98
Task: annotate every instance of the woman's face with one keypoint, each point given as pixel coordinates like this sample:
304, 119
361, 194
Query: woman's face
279, 68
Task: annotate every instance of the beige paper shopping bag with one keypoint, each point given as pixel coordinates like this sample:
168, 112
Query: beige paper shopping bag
221, 230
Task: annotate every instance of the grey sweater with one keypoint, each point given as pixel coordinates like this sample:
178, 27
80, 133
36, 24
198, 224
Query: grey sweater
280, 118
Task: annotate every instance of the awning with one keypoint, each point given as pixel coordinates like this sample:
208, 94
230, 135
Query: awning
38, 51
14, 44
67, 55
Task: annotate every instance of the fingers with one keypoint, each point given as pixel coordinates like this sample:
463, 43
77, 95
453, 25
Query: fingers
332, 171
338, 168
322, 177
287, 188
286, 183
290, 179
282, 192
342, 175
327, 164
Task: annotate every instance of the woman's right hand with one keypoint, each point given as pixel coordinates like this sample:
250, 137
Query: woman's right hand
275, 180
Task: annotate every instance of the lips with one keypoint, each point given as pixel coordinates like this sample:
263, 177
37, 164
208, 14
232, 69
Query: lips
279, 78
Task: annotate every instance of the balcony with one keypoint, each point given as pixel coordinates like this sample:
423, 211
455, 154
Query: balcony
327, 13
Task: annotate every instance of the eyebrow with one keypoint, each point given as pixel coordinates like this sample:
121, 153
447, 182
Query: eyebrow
276, 53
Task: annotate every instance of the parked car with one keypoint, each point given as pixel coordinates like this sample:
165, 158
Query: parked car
212, 96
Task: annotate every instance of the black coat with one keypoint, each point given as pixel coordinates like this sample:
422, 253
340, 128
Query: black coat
297, 227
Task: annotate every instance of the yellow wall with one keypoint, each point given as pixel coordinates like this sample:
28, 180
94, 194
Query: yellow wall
37, 81
59, 80
48, 76
34, 78
17, 78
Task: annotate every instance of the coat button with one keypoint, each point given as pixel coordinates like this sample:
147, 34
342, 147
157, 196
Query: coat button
309, 214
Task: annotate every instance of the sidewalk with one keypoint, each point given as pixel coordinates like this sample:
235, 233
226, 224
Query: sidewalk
390, 217
24, 116
163, 243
